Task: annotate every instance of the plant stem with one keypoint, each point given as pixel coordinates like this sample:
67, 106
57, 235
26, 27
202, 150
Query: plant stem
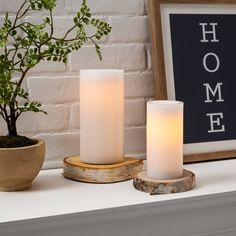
12, 125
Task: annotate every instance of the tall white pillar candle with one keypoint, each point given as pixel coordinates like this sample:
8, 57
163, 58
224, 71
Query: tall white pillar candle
164, 139
101, 116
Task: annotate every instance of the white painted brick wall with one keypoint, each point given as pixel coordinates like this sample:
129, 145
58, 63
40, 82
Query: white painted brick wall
54, 90
57, 119
109, 7
56, 85
130, 57
129, 29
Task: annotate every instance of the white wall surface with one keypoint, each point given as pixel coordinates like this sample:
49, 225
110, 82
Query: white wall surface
56, 86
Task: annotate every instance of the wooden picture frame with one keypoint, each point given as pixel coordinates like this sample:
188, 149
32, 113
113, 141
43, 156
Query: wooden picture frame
159, 65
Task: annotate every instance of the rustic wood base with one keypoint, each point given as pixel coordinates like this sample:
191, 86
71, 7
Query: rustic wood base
91, 173
143, 183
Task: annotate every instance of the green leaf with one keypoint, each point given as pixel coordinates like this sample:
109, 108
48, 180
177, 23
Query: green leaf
97, 47
34, 62
14, 32
51, 50
40, 5
75, 20
47, 20
65, 59
46, 36
85, 20
19, 55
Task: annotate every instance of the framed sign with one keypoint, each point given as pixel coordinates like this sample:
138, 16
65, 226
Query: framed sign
194, 61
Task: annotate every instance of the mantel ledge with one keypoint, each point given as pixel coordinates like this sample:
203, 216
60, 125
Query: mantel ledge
58, 206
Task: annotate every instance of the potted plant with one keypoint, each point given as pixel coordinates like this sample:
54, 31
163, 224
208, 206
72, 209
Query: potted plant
24, 45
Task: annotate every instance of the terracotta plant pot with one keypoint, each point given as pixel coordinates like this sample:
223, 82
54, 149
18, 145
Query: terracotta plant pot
20, 166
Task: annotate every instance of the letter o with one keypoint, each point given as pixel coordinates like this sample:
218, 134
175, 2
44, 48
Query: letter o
217, 62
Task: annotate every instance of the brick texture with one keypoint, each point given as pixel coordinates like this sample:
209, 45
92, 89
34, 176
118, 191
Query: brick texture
55, 120
61, 145
54, 90
56, 85
121, 56
129, 29
106, 7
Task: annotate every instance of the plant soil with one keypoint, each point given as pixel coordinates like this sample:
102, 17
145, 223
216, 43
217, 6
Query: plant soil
11, 141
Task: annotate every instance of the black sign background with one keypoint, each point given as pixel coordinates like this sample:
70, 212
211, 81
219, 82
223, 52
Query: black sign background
190, 74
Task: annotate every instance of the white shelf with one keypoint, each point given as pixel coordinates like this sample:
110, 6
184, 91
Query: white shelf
53, 195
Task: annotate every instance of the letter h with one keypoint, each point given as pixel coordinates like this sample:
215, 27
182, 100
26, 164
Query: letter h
205, 32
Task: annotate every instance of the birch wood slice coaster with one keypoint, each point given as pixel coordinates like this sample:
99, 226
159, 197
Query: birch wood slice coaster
92, 173
153, 186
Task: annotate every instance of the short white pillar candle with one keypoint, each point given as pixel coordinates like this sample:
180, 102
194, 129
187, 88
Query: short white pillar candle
164, 139
101, 116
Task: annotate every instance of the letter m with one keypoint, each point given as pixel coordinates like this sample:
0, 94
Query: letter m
213, 92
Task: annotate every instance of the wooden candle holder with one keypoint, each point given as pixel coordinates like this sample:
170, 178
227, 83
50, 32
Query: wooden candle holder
92, 173
143, 183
